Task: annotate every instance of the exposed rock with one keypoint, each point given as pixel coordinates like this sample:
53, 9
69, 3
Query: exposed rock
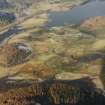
12, 54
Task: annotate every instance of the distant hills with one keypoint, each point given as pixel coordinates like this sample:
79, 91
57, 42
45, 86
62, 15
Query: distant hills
4, 4
14, 3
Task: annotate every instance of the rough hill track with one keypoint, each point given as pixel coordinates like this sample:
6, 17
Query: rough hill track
52, 93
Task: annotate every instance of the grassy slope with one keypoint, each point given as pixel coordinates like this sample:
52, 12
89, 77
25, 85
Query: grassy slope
53, 50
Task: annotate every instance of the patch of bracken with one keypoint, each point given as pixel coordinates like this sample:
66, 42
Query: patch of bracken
53, 93
12, 54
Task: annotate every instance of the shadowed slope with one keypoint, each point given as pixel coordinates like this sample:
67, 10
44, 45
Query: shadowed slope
54, 92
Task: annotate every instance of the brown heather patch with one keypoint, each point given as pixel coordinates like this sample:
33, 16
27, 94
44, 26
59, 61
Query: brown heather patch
11, 55
38, 70
94, 24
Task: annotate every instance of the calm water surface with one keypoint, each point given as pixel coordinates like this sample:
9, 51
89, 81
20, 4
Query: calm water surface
77, 14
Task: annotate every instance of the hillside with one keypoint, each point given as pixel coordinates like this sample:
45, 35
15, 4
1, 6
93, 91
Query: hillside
36, 46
